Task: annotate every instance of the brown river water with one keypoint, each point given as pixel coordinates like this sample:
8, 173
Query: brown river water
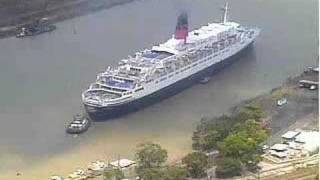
42, 77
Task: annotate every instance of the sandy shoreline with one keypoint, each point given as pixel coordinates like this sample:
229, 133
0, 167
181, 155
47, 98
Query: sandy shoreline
80, 157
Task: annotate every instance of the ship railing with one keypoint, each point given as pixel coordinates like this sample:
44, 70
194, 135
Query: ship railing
119, 99
89, 92
115, 88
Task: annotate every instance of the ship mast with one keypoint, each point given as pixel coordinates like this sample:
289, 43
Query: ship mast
225, 13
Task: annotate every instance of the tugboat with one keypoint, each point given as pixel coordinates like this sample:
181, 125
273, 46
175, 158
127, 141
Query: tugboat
79, 124
35, 28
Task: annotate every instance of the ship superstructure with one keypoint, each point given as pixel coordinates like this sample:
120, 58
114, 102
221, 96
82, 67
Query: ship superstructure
152, 70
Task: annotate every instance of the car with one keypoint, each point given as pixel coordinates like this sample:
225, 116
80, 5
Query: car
313, 87
282, 102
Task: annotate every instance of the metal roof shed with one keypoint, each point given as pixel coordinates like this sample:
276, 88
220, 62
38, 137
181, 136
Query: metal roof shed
290, 135
279, 147
278, 154
122, 163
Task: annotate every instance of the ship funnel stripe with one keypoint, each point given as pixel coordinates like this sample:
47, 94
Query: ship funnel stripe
182, 27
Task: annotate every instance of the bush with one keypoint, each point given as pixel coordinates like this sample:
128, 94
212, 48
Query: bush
149, 158
210, 132
228, 167
196, 164
175, 173
113, 174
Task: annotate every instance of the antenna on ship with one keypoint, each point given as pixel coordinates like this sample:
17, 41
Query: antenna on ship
225, 13
182, 27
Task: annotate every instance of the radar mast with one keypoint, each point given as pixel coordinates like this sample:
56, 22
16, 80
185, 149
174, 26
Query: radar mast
225, 13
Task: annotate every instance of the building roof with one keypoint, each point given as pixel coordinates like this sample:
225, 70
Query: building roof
279, 147
279, 154
122, 163
290, 135
311, 140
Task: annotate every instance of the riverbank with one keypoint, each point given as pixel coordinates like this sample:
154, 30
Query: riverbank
17, 14
300, 113
80, 157
302, 107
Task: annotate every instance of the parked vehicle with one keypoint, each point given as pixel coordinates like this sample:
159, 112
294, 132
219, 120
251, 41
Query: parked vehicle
282, 102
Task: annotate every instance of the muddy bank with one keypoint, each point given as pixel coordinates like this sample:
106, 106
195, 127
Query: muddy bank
301, 107
17, 15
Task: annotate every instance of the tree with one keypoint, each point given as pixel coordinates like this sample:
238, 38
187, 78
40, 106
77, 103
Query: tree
244, 143
175, 173
237, 146
196, 164
228, 167
249, 112
253, 130
150, 159
113, 174
152, 174
210, 132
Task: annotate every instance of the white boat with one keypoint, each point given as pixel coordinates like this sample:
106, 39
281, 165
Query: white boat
282, 102
79, 124
167, 68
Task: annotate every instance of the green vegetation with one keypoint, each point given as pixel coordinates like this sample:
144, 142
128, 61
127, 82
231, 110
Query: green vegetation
252, 111
150, 155
243, 144
210, 132
238, 139
196, 164
228, 167
113, 174
283, 92
151, 159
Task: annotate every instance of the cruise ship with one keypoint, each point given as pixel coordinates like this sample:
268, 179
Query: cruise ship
165, 69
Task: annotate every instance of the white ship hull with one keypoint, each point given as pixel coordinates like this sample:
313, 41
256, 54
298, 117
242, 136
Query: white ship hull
172, 83
167, 68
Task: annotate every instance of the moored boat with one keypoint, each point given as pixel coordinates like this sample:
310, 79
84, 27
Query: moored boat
35, 28
79, 124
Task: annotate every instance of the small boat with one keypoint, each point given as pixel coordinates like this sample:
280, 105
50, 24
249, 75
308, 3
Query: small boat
35, 28
79, 124
205, 80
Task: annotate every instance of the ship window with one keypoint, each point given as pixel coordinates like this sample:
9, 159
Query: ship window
163, 79
139, 89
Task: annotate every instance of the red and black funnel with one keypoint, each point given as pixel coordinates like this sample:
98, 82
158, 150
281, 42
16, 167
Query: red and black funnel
182, 27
